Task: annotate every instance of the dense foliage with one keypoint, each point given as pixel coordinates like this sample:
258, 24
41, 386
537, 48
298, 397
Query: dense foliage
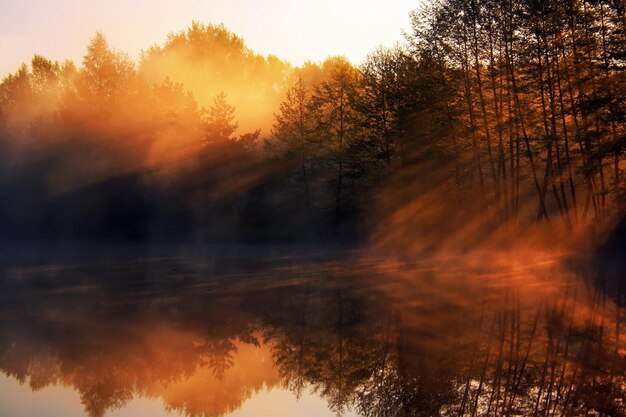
494, 113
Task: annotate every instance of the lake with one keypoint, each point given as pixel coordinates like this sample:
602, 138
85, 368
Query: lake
238, 331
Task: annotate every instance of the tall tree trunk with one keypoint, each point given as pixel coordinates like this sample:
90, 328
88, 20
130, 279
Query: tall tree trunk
520, 118
303, 143
568, 161
483, 109
470, 108
548, 135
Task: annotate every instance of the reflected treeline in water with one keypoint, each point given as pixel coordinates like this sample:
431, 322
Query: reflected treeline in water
481, 335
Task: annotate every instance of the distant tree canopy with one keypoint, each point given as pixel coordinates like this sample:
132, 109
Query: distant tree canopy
100, 152
491, 114
208, 59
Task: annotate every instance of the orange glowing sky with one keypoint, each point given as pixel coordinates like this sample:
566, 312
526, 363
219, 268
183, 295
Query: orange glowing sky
296, 30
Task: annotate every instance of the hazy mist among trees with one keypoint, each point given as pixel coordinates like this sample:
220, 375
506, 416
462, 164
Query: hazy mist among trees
456, 204
492, 119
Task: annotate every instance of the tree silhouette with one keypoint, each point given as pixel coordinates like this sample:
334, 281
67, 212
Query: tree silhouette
105, 73
220, 124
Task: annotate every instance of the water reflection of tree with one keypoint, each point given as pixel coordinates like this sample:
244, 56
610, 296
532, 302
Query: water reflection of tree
377, 343
543, 356
343, 343
117, 339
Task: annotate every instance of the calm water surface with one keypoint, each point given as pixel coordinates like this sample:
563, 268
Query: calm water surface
249, 334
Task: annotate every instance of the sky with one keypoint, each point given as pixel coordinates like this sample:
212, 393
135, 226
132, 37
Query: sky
295, 30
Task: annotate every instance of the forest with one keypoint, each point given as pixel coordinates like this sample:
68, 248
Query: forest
494, 118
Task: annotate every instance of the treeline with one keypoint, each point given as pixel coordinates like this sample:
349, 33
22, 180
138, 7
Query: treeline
115, 151
534, 96
493, 113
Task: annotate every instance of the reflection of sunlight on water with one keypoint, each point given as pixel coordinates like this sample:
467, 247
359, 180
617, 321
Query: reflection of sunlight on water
444, 333
280, 402
17, 400
139, 407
